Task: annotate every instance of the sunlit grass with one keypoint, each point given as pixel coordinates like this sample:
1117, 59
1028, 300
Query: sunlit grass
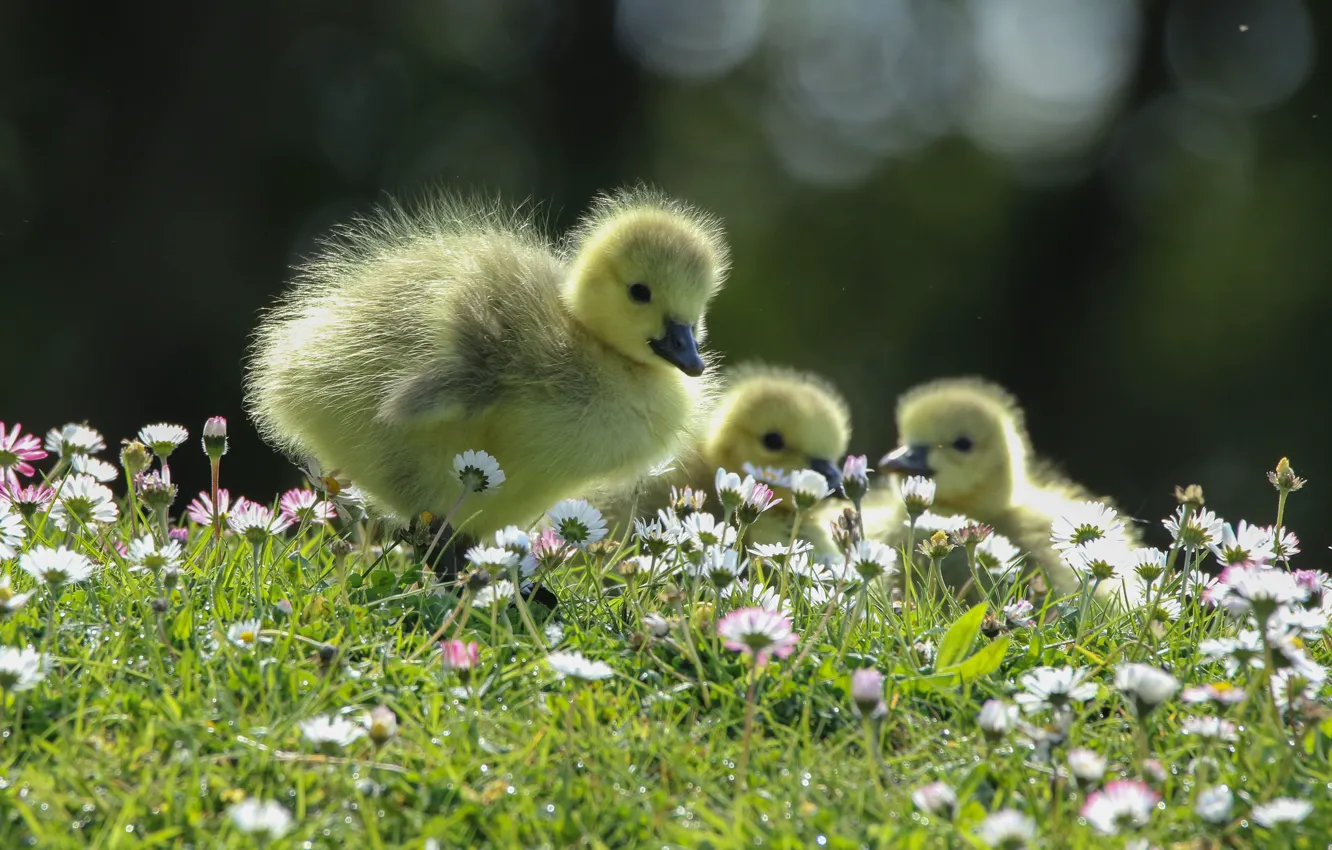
163, 704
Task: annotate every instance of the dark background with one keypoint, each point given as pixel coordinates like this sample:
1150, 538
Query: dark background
1119, 211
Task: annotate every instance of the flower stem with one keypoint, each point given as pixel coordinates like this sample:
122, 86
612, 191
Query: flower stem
743, 767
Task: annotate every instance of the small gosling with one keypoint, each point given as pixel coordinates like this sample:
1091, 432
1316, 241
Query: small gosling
970, 436
419, 334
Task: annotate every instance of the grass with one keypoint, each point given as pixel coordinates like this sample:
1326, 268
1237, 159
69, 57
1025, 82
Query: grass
151, 722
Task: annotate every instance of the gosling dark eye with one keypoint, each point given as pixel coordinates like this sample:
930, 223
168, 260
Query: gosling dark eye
962, 444
773, 441
640, 293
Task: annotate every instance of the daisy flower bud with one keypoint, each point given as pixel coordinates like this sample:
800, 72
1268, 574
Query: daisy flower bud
755, 498
459, 657
1284, 478
728, 490
1190, 496
867, 692
215, 438
1146, 686
382, 724
686, 502
937, 547
809, 488
157, 492
855, 477
1087, 766
917, 494
134, 457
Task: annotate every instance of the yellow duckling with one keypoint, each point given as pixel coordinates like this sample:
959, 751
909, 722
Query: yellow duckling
421, 334
969, 436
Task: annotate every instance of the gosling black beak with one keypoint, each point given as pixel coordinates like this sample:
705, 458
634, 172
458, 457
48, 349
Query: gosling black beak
910, 460
678, 347
830, 472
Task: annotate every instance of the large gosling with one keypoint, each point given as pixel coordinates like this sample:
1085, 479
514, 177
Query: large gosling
417, 335
969, 435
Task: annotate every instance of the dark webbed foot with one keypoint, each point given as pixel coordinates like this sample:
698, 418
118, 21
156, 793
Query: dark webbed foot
437, 546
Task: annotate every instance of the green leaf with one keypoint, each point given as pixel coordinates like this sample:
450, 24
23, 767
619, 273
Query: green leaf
960, 637
983, 663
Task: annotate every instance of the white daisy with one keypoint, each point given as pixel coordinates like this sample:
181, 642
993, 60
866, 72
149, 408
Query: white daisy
21, 669
770, 475
1054, 687
245, 634
99, 469
727, 485
1297, 684
936, 798
497, 592
779, 552
577, 523
267, 818
330, 732
929, 522
1020, 614
717, 565
1247, 544
658, 535
1281, 810
1146, 686
1083, 523
55, 567
10, 602
872, 559
492, 558
1243, 650
997, 718
996, 554
1222, 693
704, 530
146, 554
917, 493
808, 487
1210, 729
12, 531
73, 439
255, 522
1087, 766
1252, 589
162, 438
1100, 560
1302, 622
83, 500
1213, 804
1122, 804
1008, 829
514, 539
1202, 529
1284, 542
578, 666
1148, 563
478, 471
757, 632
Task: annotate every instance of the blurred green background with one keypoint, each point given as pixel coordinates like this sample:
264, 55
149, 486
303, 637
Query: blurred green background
1118, 210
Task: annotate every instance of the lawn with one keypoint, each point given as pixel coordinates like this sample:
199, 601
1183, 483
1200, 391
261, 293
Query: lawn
289, 677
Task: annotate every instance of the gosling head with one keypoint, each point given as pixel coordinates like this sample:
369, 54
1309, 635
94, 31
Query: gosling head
643, 271
778, 417
966, 434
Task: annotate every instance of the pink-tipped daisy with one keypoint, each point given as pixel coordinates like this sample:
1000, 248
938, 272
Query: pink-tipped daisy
299, 505
757, 632
201, 509
28, 501
1122, 804
16, 452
